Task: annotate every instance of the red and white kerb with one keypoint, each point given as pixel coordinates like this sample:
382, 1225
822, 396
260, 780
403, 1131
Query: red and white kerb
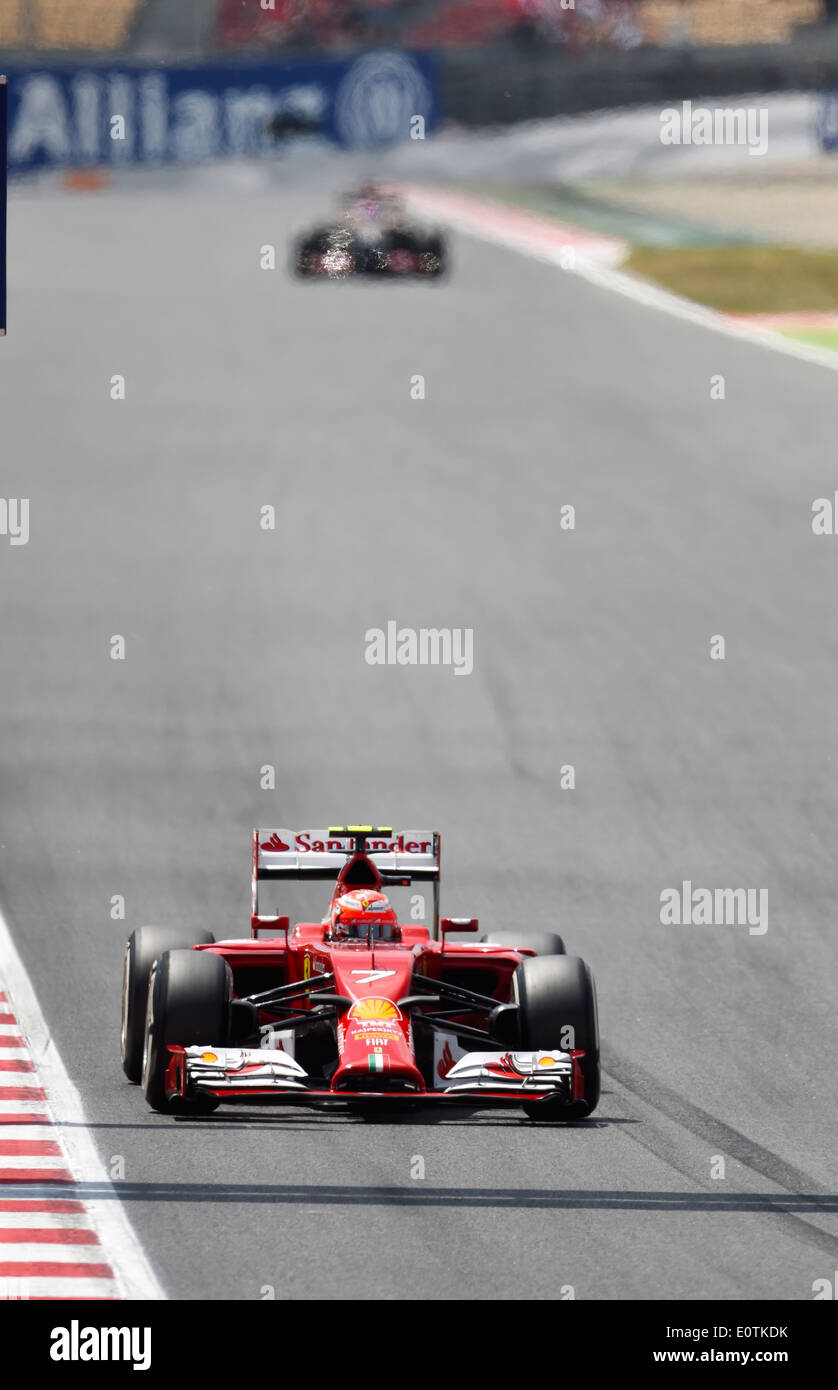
48, 1246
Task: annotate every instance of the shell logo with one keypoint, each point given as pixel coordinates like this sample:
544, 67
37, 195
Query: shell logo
546, 1061
209, 1057
374, 1008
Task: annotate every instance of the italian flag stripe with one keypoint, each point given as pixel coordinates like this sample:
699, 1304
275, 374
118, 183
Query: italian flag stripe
376, 1061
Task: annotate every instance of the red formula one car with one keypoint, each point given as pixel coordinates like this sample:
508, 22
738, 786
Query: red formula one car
359, 1008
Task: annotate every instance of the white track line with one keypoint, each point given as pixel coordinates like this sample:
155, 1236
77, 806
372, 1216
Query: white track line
26, 1129
498, 223
41, 1251
47, 1220
31, 1162
119, 1247
44, 1287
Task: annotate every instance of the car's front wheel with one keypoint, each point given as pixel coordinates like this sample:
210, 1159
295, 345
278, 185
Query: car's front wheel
189, 997
144, 945
434, 257
557, 1011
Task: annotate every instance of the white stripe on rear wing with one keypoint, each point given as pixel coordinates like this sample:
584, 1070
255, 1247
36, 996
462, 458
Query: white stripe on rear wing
317, 854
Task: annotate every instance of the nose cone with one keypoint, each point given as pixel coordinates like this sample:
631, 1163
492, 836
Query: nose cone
375, 1038
383, 973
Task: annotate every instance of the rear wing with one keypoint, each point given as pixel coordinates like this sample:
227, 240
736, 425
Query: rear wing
401, 857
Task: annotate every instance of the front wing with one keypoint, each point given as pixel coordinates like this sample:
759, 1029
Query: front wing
236, 1075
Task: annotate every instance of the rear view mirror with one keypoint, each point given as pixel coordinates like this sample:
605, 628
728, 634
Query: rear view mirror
275, 925
459, 924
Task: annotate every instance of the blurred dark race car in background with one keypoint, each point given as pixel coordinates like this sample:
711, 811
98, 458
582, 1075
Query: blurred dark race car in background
371, 235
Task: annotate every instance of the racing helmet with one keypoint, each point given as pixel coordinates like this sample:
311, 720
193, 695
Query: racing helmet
355, 912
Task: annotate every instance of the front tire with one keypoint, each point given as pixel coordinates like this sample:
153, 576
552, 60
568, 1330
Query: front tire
557, 1010
433, 257
189, 997
144, 945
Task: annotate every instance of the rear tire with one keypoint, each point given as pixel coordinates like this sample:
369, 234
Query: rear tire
299, 260
556, 994
189, 997
542, 943
144, 945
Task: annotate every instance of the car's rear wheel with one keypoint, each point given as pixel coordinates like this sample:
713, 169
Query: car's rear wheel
541, 943
144, 945
557, 1010
189, 997
300, 262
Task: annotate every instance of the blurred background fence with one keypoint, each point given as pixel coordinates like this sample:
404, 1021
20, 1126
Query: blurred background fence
202, 27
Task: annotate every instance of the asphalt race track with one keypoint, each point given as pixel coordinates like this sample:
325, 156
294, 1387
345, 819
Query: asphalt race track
592, 648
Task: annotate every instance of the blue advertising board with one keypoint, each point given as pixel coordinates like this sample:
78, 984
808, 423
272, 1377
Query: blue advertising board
826, 121
126, 114
4, 94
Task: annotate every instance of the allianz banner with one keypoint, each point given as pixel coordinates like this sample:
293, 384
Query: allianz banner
3, 106
4, 92
826, 121
71, 115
